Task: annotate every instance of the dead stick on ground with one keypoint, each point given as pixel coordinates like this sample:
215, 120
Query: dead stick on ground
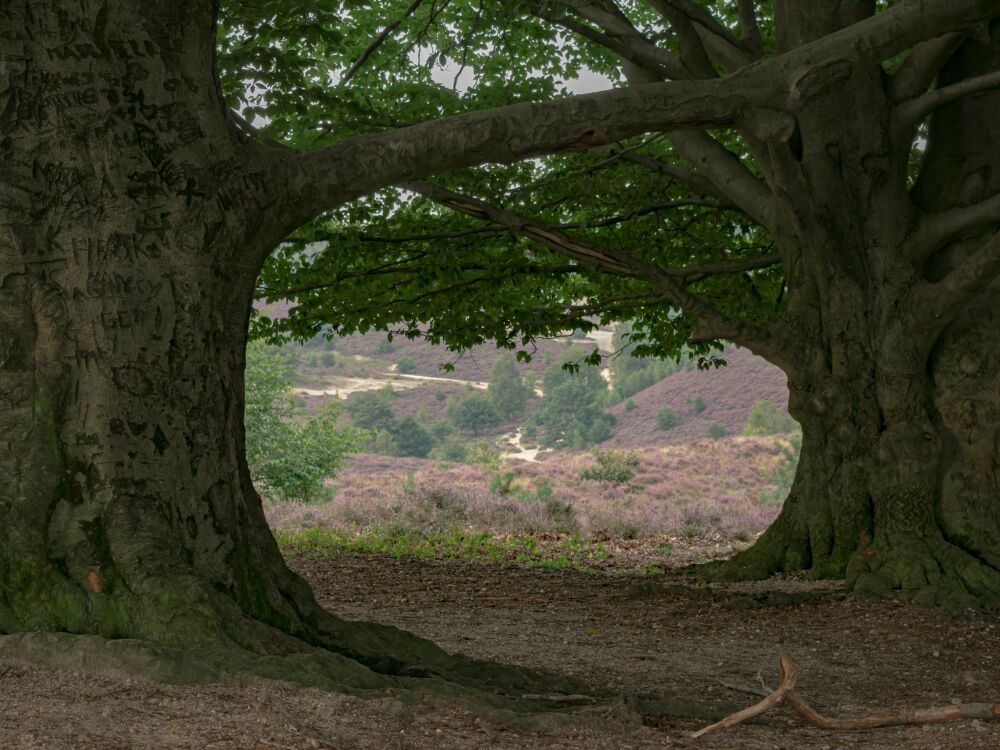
786, 693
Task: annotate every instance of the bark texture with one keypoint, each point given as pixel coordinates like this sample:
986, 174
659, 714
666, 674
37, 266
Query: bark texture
133, 220
896, 385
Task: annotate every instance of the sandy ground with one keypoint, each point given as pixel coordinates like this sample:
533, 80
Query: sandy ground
633, 634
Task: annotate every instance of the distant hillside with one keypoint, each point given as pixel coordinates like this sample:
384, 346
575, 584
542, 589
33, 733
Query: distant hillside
428, 359
728, 393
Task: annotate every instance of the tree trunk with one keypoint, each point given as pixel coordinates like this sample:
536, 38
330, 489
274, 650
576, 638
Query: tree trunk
132, 224
897, 484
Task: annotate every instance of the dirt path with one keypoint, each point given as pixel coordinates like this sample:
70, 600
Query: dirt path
633, 634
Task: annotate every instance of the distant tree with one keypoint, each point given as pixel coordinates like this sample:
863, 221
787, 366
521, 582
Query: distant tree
716, 431
474, 412
450, 450
289, 452
572, 413
666, 418
630, 405
406, 365
440, 430
766, 418
385, 346
507, 392
328, 359
699, 404
371, 411
411, 438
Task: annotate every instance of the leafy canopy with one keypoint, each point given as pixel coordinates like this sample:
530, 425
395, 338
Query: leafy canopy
315, 73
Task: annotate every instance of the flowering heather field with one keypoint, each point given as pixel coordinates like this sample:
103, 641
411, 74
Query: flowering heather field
728, 393
707, 491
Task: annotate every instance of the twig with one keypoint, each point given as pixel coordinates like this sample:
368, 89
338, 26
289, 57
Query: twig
788, 677
786, 693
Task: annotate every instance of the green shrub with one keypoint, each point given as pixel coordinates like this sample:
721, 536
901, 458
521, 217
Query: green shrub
289, 452
617, 467
716, 431
406, 365
630, 405
328, 359
698, 405
666, 418
784, 472
450, 450
767, 419
502, 483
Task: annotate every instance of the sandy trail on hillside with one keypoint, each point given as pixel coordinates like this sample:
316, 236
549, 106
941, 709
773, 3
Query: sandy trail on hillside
345, 386
633, 634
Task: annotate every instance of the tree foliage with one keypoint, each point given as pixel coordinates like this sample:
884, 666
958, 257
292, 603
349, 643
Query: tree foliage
473, 412
766, 418
507, 391
289, 453
572, 410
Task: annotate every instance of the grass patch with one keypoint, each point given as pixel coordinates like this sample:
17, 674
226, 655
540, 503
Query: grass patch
545, 551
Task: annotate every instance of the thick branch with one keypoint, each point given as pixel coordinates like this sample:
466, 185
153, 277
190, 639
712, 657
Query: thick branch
937, 230
727, 173
617, 36
910, 113
713, 323
310, 183
921, 66
936, 304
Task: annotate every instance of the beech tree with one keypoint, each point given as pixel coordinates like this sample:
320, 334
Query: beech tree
842, 225
137, 209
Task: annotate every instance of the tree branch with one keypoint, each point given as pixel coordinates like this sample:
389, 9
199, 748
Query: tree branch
727, 173
909, 113
379, 40
306, 184
921, 66
715, 40
618, 36
751, 30
668, 282
691, 179
936, 230
936, 304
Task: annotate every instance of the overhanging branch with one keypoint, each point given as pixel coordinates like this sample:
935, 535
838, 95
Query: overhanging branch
713, 323
908, 114
938, 229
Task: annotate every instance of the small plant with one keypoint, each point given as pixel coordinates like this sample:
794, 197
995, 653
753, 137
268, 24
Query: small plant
784, 473
450, 450
406, 365
617, 467
630, 405
440, 395
328, 359
716, 431
666, 418
502, 483
767, 419
698, 405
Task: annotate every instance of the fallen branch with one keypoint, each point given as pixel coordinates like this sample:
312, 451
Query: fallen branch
788, 676
786, 693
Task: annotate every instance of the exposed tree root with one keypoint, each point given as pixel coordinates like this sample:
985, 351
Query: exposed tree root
786, 694
509, 695
925, 570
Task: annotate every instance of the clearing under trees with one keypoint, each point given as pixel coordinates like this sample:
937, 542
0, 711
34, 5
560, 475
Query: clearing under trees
137, 211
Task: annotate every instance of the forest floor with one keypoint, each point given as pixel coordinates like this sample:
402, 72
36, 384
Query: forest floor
636, 634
